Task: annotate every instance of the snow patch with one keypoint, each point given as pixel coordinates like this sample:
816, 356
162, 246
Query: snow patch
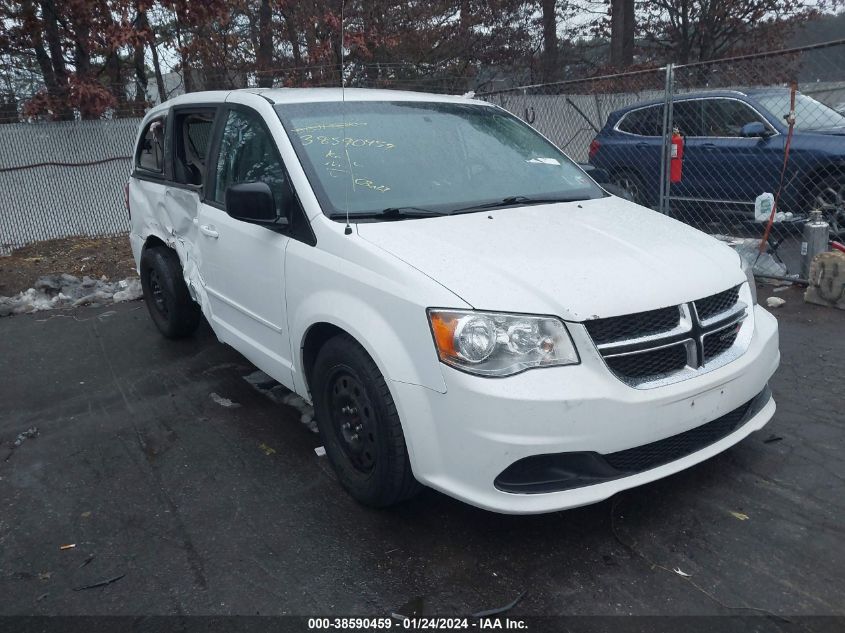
224, 402
67, 291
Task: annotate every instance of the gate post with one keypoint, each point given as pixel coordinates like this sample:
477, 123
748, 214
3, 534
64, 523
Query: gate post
666, 145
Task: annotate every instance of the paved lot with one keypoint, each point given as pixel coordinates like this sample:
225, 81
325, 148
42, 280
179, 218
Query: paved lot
204, 509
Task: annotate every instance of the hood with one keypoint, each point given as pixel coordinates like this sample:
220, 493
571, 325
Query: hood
579, 261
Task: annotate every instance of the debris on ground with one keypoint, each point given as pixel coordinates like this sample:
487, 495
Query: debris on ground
281, 395
268, 450
498, 610
775, 302
25, 435
739, 515
321, 451
68, 546
678, 571
772, 438
86, 561
224, 402
67, 291
827, 280
748, 248
101, 583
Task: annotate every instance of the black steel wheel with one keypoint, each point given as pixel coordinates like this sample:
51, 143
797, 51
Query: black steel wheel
359, 425
352, 419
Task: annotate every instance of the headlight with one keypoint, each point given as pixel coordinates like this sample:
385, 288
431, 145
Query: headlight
498, 344
749, 273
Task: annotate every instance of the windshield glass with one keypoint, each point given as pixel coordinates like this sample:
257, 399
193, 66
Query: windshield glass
809, 113
442, 157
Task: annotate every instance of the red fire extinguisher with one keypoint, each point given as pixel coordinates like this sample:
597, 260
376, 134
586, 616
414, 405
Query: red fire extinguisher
677, 162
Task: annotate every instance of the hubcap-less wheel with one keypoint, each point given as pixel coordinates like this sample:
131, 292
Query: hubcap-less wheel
158, 293
830, 199
351, 418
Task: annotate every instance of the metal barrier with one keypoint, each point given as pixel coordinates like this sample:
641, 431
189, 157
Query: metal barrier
63, 178
702, 142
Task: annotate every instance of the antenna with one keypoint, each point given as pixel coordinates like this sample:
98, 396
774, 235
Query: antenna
348, 229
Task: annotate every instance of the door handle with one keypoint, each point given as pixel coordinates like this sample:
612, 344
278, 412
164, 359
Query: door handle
207, 229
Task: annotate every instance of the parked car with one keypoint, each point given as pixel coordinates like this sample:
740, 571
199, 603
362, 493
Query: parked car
464, 307
733, 151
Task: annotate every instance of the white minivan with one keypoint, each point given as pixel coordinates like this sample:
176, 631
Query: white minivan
465, 308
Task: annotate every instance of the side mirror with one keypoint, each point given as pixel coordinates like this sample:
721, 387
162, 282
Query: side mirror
754, 130
253, 202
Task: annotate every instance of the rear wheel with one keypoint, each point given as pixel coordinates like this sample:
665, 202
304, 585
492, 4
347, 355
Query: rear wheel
173, 311
360, 426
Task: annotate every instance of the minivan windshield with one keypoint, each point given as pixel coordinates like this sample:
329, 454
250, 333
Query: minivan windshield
809, 113
416, 159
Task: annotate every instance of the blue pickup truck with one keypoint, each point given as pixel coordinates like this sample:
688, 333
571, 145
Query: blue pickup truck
733, 151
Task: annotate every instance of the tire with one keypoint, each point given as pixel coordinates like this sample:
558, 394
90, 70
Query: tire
359, 425
829, 196
632, 184
173, 311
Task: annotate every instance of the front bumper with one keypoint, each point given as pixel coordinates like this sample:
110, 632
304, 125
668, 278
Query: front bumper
461, 441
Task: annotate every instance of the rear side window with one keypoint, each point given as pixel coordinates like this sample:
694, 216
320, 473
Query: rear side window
150, 154
643, 122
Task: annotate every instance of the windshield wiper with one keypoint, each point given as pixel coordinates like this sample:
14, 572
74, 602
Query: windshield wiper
512, 200
392, 213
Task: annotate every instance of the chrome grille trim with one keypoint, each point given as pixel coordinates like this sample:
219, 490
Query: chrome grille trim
690, 332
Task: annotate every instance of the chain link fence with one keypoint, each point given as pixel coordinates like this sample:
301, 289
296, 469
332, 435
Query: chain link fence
63, 178
713, 144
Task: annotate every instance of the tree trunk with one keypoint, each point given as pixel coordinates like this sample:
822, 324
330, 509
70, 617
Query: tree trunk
550, 50
140, 78
296, 51
147, 31
59, 70
264, 57
622, 22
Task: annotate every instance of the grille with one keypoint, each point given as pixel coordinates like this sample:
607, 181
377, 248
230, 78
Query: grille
649, 363
678, 446
633, 325
714, 304
719, 342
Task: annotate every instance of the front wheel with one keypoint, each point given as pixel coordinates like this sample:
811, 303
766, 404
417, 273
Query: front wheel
360, 426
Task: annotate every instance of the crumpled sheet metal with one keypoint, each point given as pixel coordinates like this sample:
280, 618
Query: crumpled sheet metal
175, 221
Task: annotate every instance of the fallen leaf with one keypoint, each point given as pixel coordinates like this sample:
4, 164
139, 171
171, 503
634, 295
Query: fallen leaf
739, 515
268, 450
85, 515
